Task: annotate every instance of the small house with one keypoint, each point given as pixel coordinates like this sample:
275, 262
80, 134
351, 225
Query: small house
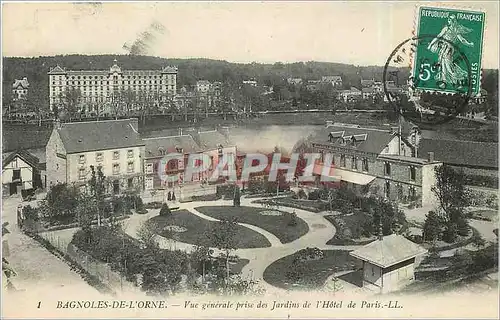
389, 262
20, 173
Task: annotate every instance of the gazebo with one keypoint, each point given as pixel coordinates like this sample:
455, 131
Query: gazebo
389, 262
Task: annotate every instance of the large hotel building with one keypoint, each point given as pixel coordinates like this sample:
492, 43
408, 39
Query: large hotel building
101, 86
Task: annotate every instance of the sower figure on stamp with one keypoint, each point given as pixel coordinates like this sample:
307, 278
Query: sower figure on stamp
452, 33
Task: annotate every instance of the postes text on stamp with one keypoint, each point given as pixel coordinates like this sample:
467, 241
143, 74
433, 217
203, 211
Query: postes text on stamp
436, 64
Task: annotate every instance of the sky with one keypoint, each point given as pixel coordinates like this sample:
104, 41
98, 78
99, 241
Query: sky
360, 33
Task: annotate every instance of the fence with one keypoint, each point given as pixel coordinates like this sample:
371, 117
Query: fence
96, 268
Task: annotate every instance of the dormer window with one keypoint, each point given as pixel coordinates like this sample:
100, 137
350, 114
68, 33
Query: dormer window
162, 151
179, 150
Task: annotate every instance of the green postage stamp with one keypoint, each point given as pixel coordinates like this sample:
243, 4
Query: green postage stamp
448, 53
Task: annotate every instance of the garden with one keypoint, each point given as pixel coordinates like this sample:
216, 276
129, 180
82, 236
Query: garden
183, 226
308, 268
287, 227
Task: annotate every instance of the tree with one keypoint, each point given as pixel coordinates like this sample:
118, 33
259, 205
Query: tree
236, 197
98, 188
453, 197
223, 236
432, 227
200, 256
61, 201
147, 233
69, 102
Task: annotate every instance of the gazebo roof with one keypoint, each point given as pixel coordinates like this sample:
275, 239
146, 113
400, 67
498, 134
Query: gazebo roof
389, 251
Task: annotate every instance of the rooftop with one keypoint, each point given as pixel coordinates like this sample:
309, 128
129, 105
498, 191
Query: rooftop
99, 135
23, 154
155, 146
21, 82
457, 152
365, 139
389, 251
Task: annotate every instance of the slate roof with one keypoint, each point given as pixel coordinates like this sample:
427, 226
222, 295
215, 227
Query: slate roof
99, 135
20, 137
23, 154
389, 251
169, 144
456, 152
212, 139
376, 139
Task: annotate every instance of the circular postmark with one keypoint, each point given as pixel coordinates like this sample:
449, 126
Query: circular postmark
438, 76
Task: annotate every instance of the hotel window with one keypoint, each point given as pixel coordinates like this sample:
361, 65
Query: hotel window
116, 155
81, 174
412, 192
149, 168
130, 167
116, 168
98, 157
130, 153
387, 168
413, 173
81, 159
342, 160
149, 183
364, 164
354, 164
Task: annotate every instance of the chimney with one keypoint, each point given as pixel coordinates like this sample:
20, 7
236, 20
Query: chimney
134, 122
430, 156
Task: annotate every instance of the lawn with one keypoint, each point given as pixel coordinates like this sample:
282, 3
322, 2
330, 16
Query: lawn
197, 226
349, 227
277, 225
317, 271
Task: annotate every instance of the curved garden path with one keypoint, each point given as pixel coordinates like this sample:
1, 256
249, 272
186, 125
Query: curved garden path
320, 231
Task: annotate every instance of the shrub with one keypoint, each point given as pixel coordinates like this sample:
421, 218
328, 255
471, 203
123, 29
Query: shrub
308, 254
313, 195
450, 233
301, 194
165, 210
291, 218
463, 227
432, 226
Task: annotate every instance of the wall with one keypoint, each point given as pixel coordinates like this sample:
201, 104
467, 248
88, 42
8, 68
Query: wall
429, 181
398, 276
56, 166
372, 273
107, 162
26, 172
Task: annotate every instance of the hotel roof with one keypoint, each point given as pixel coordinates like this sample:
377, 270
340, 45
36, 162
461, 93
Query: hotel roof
99, 135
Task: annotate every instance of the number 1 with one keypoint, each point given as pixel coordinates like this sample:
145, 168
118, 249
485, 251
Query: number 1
39, 304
